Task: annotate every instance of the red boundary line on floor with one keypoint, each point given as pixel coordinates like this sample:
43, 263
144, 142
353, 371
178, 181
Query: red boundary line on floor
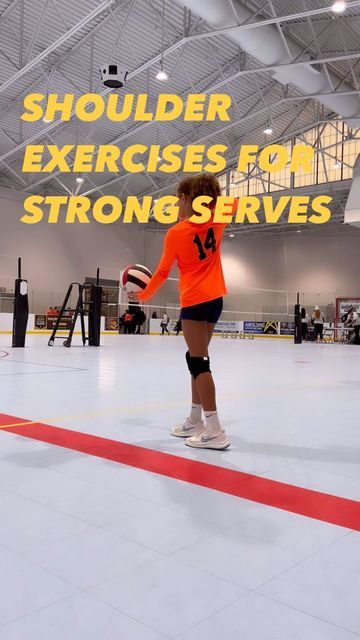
306, 502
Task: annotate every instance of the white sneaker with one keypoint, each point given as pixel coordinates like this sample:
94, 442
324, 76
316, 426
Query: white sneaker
188, 429
206, 441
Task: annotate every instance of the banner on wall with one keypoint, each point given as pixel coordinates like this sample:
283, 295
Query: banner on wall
111, 324
265, 328
41, 321
228, 325
287, 328
343, 305
65, 323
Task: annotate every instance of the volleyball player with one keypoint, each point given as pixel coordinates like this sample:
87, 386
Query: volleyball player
196, 249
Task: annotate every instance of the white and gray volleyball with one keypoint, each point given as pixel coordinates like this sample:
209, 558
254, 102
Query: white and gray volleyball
135, 278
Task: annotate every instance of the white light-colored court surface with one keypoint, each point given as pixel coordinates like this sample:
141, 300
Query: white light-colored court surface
95, 549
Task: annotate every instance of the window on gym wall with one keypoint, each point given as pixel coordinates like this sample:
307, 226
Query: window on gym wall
329, 161
223, 182
238, 184
336, 149
282, 179
351, 149
302, 178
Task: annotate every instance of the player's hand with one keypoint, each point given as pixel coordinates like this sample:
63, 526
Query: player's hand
133, 297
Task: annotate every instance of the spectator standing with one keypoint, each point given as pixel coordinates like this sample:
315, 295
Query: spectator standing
140, 318
128, 321
164, 324
317, 320
304, 323
178, 326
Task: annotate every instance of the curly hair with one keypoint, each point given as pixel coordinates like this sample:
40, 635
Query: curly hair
202, 184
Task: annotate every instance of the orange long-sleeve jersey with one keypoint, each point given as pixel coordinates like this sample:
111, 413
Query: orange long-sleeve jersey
196, 249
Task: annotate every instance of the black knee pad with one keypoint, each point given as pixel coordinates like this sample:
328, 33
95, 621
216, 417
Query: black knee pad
187, 356
199, 365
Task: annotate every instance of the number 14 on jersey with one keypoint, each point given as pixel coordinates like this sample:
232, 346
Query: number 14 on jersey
209, 244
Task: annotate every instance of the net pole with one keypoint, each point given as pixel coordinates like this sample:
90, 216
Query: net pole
21, 309
297, 322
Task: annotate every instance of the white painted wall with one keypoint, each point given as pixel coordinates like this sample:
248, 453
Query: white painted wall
323, 264
320, 268
301, 263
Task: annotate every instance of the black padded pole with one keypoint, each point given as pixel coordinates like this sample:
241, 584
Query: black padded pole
21, 312
94, 316
297, 322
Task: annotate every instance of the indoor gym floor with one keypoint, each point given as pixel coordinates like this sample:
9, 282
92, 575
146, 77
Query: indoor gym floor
92, 547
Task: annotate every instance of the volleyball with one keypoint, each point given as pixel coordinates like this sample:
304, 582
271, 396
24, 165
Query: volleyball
135, 278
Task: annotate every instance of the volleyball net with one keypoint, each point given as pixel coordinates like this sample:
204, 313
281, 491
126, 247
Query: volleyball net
240, 304
243, 303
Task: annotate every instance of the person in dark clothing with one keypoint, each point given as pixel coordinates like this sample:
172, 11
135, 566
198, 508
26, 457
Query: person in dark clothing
318, 320
304, 323
178, 327
140, 318
128, 321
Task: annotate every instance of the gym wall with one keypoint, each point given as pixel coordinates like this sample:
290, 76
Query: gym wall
300, 263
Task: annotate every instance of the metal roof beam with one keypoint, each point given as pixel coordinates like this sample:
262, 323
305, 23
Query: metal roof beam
264, 23
215, 133
55, 45
7, 12
214, 87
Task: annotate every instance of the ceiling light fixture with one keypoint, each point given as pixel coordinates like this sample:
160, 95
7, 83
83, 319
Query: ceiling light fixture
268, 130
338, 6
337, 164
161, 74
79, 180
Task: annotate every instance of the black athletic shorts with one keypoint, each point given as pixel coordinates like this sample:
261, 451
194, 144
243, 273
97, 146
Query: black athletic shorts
205, 312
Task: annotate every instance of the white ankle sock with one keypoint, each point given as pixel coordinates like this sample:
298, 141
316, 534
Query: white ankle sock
213, 425
195, 413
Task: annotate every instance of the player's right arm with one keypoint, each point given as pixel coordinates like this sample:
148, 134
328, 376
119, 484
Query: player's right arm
164, 267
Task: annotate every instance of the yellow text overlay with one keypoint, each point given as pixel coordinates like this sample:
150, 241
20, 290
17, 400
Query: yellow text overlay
110, 209
139, 158
89, 107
